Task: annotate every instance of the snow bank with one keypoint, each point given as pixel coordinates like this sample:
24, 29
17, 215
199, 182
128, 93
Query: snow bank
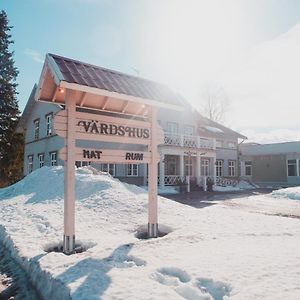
292, 193
221, 251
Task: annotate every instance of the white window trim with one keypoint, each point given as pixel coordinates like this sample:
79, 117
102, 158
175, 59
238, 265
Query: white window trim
130, 166
296, 165
204, 166
188, 127
219, 167
231, 167
53, 160
248, 166
49, 121
41, 161
108, 165
170, 131
30, 163
36, 129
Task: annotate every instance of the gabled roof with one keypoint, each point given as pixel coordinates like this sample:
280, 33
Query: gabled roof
215, 129
27, 110
88, 75
94, 87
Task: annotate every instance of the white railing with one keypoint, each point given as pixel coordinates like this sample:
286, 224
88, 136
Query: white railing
188, 141
174, 179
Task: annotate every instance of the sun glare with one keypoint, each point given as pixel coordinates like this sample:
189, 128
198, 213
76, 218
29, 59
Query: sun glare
194, 39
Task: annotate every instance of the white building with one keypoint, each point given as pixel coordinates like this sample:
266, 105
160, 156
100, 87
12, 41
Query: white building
193, 145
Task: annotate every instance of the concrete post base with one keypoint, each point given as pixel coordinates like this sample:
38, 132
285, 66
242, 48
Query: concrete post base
152, 230
69, 244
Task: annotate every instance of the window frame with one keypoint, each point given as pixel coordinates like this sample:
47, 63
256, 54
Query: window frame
30, 163
294, 165
187, 128
36, 124
49, 129
53, 160
108, 168
219, 167
248, 166
188, 165
169, 126
130, 172
41, 162
231, 168
205, 166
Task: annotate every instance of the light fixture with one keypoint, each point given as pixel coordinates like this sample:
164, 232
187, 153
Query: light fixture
61, 90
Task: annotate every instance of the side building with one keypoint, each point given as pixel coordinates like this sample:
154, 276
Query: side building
193, 146
276, 165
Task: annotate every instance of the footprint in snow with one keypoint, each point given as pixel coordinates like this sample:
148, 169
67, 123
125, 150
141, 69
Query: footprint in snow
201, 289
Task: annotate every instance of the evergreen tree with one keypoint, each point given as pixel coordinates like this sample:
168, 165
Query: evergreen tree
11, 143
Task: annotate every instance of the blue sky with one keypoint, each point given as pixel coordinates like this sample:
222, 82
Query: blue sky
181, 43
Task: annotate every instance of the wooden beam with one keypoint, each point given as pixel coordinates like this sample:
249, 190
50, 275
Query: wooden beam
116, 95
125, 106
54, 94
83, 98
105, 102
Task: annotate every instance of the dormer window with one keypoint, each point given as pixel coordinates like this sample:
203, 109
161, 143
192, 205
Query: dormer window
49, 124
36, 129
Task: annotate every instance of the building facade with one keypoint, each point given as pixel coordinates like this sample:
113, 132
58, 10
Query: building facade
194, 147
275, 164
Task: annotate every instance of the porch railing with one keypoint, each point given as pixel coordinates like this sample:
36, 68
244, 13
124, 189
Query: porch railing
188, 141
174, 179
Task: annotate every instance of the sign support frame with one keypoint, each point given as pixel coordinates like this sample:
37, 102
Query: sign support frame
152, 179
69, 178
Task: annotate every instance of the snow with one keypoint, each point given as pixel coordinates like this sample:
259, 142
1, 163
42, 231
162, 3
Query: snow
236, 249
213, 129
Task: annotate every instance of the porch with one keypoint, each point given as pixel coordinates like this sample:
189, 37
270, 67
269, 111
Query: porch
175, 169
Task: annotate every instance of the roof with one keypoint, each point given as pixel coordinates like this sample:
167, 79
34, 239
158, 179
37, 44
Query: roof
215, 129
81, 73
27, 110
269, 149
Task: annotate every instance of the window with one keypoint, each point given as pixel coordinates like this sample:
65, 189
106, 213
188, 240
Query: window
36, 129
219, 144
41, 159
219, 168
248, 168
30, 163
204, 167
79, 164
109, 168
188, 166
188, 130
132, 170
231, 168
49, 124
231, 145
170, 165
172, 128
292, 167
53, 158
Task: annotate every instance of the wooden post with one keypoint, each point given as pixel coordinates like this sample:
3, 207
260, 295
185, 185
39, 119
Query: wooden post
69, 171
152, 180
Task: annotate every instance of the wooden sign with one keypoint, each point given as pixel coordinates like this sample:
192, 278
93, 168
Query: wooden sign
109, 156
93, 127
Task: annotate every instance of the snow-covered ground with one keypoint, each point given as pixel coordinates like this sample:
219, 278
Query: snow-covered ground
238, 249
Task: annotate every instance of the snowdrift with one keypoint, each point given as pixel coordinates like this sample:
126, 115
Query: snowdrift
221, 251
